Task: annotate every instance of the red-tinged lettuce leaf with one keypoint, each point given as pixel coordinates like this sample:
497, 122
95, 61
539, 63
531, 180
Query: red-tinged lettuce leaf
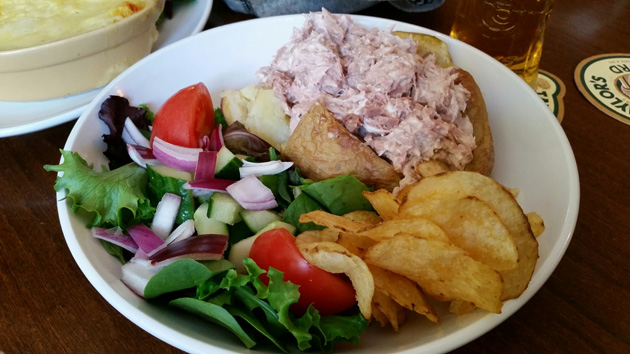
116, 197
114, 111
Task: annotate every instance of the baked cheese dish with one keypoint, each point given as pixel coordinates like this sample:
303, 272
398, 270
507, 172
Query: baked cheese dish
29, 23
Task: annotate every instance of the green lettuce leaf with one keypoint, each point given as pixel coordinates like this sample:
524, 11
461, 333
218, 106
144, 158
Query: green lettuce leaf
266, 310
116, 197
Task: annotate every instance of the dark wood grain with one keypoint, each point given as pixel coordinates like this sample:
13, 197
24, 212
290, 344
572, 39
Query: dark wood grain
48, 306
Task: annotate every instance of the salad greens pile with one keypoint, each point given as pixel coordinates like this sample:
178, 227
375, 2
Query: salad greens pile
125, 194
222, 296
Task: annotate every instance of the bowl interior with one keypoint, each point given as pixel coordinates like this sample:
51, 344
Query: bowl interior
532, 154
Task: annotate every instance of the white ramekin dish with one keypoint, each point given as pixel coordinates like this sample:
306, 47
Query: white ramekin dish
78, 63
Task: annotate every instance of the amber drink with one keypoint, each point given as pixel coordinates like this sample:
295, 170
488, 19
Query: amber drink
511, 31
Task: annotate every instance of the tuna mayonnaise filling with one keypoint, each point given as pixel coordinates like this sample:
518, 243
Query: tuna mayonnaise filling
405, 107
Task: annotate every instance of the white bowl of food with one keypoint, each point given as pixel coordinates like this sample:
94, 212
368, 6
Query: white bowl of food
532, 155
52, 49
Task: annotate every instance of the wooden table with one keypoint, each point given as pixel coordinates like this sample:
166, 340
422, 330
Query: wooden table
48, 306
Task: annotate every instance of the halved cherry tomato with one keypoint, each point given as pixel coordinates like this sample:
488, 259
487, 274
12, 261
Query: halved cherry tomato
329, 293
185, 117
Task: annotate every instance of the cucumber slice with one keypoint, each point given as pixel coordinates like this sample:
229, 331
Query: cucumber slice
257, 219
224, 208
278, 225
227, 165
205, 225
167, 171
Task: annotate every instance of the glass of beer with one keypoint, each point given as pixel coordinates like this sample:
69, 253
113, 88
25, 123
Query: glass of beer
511, 31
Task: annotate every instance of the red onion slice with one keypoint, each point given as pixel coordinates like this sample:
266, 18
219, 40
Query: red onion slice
165, 214
146, 239
178, 157
215, 140
209, 185
182, 232
136, 274
206, 164
252, 194
116, 236
132, 135
263, 168
141, 155
271, 204
200, 248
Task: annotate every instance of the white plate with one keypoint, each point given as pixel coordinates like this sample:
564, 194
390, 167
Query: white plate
27, 117
532, 154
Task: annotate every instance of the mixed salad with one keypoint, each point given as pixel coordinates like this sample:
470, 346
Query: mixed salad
203, 214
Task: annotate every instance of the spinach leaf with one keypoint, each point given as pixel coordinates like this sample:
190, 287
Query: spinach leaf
340, 195
301, 205
179, 275
259, 326
115, 251
216, 314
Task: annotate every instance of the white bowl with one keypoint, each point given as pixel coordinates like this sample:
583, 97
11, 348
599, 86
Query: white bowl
532, 154
78, 63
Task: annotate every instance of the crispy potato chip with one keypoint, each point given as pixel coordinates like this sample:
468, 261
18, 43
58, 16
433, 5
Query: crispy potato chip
442, 271
334, 258
377, 314
402, 290
401, 193
461, 307
332, 221
364, 217
411, 226
388, 310
356, 241
431, 168
536, 222
352, 244
385, 204
310, 236
471, 225
428, 44
453, 185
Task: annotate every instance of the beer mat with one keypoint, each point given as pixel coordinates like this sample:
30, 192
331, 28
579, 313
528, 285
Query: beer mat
551, 90
605, 82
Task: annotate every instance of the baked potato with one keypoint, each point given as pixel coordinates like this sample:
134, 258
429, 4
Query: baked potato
323, 148
259, 111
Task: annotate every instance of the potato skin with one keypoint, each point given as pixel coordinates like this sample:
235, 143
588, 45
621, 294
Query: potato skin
483, 155
323, 148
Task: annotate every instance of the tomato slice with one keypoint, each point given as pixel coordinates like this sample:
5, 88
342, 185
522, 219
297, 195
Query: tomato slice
329, 293
185, 117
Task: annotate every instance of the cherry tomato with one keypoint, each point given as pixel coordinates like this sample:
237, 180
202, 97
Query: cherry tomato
329, 293
185, 117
